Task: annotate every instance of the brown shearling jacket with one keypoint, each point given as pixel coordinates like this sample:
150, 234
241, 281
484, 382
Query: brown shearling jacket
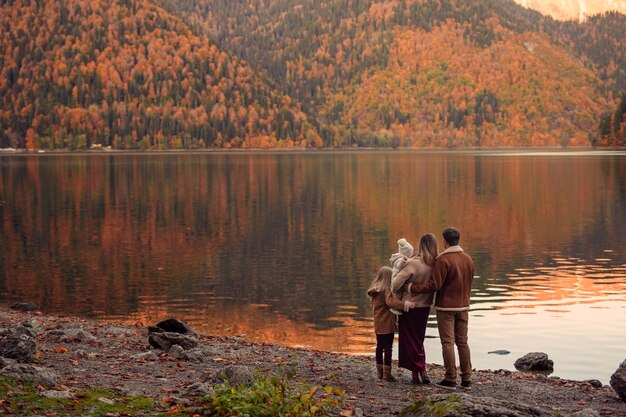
384, 319
453, 274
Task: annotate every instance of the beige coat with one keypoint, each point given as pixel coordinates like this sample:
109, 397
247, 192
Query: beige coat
384, 319
415, 272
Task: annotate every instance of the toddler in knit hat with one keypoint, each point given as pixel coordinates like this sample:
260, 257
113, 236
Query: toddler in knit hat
398, 261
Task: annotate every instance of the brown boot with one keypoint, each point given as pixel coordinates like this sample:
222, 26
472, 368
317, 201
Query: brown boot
415, 377
387, 374
379, 370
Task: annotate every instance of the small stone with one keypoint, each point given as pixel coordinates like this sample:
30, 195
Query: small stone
145, 356
25, 307
35, 325
595, 383
197, 355
106, 400
587, 412
200, 389
21, 329
499, 352
235, 374
77, 335
67, 395
176, 351
53, 334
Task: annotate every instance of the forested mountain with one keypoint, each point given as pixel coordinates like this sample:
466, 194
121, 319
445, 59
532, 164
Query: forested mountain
613, 126
127, 74
163, 74
434, 72
599, 43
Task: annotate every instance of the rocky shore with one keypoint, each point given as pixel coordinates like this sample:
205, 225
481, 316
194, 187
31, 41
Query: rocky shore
72, 354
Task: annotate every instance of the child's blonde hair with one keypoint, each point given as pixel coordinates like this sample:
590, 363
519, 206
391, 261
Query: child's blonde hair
382, 283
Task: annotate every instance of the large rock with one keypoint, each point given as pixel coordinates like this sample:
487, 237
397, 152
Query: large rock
172, 325
534, 361
618, 381
166, 340
17, 345
29, 373
463, 405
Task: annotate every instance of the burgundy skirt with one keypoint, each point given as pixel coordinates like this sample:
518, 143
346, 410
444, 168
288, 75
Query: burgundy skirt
411, 333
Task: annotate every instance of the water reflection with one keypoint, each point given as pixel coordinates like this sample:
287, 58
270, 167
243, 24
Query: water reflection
281, 247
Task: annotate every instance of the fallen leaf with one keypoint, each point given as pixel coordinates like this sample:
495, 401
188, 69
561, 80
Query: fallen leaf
61, 349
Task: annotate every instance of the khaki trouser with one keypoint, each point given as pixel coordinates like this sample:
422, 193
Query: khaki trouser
453, 330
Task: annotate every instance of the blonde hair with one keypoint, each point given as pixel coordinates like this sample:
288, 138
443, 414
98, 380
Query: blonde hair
382, 283
428, 249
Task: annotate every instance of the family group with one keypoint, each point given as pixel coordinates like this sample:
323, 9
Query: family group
402, 296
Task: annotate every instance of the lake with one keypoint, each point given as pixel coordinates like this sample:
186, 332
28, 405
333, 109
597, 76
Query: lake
281, 247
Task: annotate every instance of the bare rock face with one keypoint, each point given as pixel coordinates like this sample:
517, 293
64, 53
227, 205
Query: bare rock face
17, 345
618, 381
463, 405
534, 361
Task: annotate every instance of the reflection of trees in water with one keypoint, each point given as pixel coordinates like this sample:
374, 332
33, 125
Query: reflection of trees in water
303, 233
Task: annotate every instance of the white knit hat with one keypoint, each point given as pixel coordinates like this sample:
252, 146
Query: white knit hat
405, 248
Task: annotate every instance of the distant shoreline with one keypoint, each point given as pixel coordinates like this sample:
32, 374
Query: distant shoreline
481, 150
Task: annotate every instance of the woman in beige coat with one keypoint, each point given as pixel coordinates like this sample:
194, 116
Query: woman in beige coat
384, 320
412, 324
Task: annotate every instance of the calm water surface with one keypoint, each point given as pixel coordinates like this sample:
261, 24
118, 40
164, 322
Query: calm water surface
281, 247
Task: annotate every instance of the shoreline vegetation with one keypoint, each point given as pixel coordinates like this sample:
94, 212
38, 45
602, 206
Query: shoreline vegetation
87, 367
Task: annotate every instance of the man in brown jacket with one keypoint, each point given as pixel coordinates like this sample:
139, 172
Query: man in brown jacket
453, 273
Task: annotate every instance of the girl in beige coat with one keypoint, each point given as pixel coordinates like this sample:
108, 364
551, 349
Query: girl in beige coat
384, 320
